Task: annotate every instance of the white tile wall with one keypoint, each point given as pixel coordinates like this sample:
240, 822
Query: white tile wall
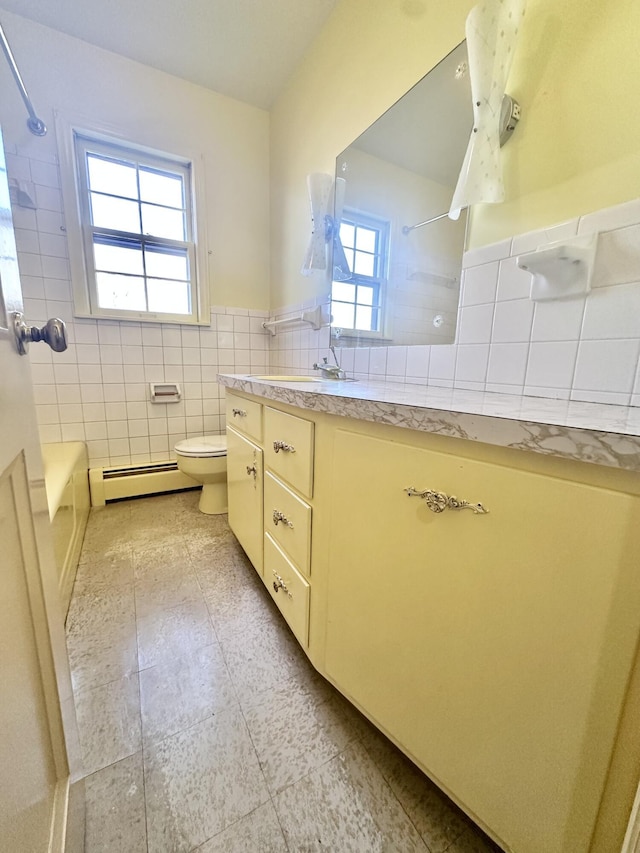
586, 348
297, 347
98, 390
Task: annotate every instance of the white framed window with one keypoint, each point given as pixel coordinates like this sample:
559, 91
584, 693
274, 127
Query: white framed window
132, 231
357, 304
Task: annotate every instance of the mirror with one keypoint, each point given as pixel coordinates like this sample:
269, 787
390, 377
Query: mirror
398, 282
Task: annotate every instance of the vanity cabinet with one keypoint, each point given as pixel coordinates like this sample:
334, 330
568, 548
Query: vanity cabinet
495, 643
269, 483
496, 648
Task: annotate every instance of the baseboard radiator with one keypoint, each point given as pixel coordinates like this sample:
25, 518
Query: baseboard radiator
128, 481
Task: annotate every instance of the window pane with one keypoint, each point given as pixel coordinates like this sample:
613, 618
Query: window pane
121, 291
108, 176
161, 188
365, 295
342, 315
167, 263
115, 213
169, 297
347, 234
110, 257
366, 240
364, 318
163, 222
343, 291
364, 264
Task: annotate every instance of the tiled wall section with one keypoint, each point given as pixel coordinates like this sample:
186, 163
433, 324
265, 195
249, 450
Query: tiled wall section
296, 347
98, 390
585, 348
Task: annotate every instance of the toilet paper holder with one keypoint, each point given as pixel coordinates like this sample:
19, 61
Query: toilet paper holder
165, 392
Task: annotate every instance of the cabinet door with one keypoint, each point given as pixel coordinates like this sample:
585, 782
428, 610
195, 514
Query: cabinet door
244, 484
495, 648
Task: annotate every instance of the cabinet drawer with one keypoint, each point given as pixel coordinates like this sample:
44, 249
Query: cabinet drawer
288, 588
288, 520
244, 415
288, 447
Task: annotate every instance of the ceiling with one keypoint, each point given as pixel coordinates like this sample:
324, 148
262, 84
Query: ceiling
246, 49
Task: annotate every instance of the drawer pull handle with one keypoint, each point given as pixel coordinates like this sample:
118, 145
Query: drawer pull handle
439, 501
251, 469
280, 516
282, 445
239, 413
280, 584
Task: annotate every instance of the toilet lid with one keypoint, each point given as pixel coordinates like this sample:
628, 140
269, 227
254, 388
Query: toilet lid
203, 445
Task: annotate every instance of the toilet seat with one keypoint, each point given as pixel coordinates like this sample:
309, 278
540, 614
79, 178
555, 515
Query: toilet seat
203, 446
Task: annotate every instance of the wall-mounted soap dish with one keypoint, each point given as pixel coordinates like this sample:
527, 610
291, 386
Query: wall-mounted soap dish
561, 270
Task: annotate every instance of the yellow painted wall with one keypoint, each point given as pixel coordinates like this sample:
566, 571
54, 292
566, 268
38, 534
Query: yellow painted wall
576, 74
367, 56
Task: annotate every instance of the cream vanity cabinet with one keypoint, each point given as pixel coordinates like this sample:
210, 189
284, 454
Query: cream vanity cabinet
245, 474
270, 485
496, 647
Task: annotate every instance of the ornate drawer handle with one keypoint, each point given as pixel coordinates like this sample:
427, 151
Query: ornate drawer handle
280, 584
439, 501
239, 412
251, 469
282, 445
280, 516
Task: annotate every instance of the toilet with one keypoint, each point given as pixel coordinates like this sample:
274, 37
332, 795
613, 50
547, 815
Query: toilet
205, 460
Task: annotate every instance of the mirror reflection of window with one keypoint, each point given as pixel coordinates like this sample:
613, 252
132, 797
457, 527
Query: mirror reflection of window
357, 303
397, 179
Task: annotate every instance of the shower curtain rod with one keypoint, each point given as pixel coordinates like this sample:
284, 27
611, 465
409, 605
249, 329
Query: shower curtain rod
35, 124
407, 228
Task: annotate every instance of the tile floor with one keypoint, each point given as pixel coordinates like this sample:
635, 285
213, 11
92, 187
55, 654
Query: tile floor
202, 723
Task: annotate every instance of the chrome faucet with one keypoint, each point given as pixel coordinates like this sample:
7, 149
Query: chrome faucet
331, 371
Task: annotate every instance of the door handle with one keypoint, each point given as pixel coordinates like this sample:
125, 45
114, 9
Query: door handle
53, 332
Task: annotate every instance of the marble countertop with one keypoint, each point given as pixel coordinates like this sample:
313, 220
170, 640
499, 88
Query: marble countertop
589, 432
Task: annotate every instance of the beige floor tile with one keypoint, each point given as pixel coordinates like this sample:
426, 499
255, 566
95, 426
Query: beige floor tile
178, 694
346, 806
170, 632
101, 637
115, 818
239, 604
266, 658
258, 832
161, 589
151, 558
109, 722
200, 781
436, 818
295, 732
97, 575
221, 577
